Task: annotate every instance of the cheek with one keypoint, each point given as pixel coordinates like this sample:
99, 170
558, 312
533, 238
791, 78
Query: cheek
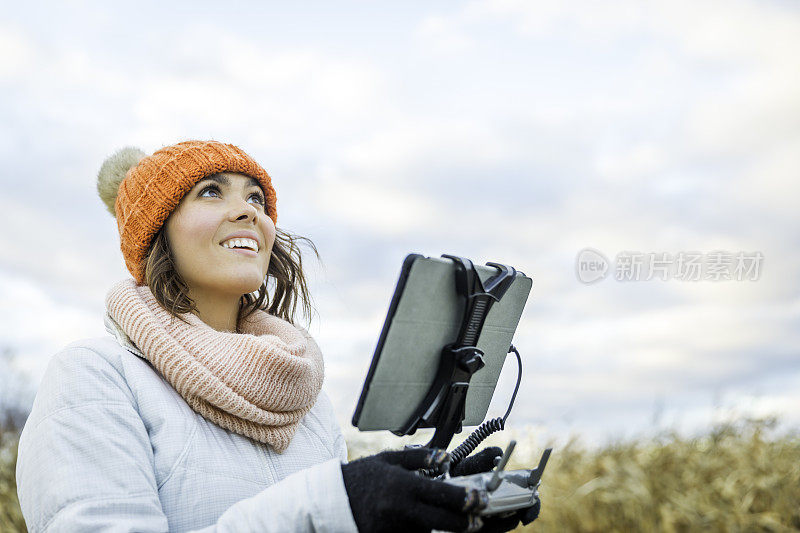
268, 230
189, 229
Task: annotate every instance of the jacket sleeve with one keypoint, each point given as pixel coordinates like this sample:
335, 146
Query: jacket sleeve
312, 500
85, 463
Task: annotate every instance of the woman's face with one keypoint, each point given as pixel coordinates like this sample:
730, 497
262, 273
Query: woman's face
202, 231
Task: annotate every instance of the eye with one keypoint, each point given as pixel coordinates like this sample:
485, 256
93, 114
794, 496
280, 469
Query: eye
209, 188
213, 188
260, 198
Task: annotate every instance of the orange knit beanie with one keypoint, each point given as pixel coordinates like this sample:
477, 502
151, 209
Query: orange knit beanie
142, 191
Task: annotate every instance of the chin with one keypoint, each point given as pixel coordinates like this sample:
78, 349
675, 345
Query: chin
246, 288
243, 284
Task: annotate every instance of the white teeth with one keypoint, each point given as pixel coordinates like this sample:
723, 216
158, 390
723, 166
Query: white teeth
241, 243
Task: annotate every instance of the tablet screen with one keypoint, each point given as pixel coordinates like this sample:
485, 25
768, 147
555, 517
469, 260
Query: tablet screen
425, 314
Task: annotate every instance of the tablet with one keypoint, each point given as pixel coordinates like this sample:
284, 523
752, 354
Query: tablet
425, 314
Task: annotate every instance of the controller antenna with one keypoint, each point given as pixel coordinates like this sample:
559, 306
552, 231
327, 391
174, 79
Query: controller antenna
495, 481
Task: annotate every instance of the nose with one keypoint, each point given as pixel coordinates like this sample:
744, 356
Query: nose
243, 211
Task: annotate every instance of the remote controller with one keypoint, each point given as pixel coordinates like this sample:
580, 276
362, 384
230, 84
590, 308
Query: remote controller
507, 490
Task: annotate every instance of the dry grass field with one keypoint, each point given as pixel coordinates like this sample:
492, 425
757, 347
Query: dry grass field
10, 515
733, 478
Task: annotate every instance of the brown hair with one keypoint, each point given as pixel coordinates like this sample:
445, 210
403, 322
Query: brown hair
285, 267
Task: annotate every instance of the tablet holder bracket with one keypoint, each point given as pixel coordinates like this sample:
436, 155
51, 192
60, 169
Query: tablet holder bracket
444, 405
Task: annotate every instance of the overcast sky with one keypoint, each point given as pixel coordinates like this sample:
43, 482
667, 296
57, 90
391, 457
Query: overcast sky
511, 131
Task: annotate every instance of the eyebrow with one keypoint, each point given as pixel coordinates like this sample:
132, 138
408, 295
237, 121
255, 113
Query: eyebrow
223, 180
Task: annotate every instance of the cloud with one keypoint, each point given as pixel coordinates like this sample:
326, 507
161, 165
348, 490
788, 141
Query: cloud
506, 130
17, 55
438, 34
37, 323
384, 210
770, 186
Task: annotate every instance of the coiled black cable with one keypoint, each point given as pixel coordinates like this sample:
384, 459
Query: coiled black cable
490, 426
475, 438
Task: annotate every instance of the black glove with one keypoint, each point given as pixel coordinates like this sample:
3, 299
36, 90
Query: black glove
387, 495
483, 461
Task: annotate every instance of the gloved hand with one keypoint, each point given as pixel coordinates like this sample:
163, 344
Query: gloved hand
483, 461
386, 494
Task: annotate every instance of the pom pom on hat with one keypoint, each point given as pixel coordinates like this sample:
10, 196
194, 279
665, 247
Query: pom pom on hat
113, 171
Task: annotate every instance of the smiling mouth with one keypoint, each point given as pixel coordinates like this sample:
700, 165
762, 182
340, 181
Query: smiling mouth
243, 251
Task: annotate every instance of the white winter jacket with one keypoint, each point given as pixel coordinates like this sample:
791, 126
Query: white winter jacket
111, 446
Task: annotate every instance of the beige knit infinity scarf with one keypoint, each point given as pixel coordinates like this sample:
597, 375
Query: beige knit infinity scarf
258, 383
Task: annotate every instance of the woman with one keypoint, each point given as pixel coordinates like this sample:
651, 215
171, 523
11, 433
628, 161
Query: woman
203, 409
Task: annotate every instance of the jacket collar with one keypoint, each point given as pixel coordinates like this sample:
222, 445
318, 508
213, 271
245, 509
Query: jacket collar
123, 339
